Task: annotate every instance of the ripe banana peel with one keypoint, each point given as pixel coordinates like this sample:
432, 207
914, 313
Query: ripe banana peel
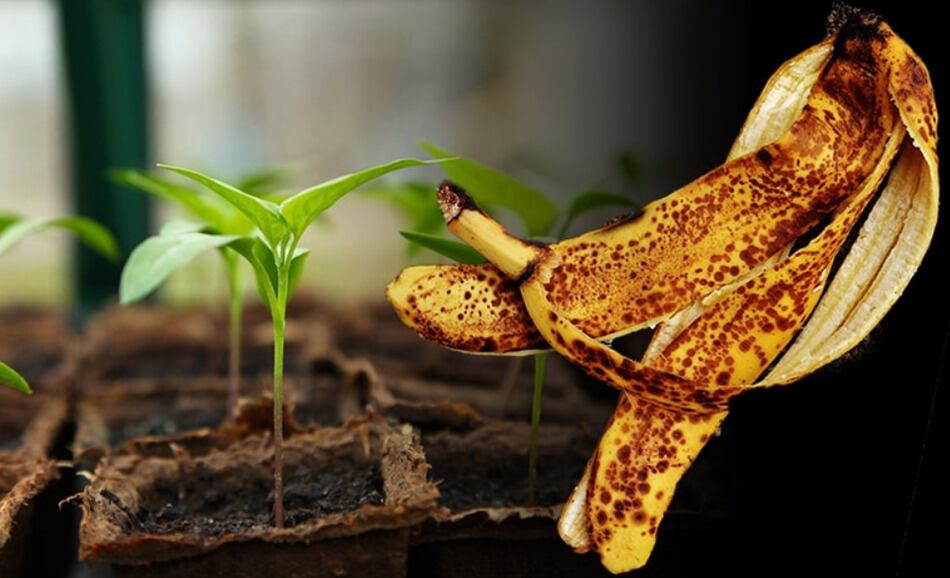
842, 132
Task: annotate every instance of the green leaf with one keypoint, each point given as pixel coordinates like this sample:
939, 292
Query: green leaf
590, 201
301, 209
268, 262
94, 235
157, 257
265, 214
8, 376
458, 252
210, 209
492, 188
297, 265
262, 262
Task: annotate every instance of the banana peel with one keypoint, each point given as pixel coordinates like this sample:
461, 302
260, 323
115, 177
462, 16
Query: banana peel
842, 132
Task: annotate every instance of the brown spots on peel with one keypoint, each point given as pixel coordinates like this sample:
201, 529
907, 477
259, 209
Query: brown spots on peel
467, 307
633, 485
911, 88
623, 454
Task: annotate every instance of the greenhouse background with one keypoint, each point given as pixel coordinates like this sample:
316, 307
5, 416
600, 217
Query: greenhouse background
552, 94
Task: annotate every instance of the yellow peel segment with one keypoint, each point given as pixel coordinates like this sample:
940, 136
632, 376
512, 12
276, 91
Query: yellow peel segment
472, 308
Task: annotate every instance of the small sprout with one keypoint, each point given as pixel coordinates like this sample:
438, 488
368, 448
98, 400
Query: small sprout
14, 228
272, 251
180, 242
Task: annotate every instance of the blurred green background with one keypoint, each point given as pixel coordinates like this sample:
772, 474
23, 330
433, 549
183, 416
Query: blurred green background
551, 92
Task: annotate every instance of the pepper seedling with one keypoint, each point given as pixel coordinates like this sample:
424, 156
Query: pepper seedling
271, 250
218, 217
538, 213
14, 228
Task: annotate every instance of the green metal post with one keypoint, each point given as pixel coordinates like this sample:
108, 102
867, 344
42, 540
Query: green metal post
104, 56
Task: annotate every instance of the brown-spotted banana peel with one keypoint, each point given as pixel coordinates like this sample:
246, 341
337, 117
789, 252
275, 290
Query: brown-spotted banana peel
846, 128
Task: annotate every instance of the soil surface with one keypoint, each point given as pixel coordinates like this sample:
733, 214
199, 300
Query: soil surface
488, 467
33, 342
166, 422
198, 502
16, 413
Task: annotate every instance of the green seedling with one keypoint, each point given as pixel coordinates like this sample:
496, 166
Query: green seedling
271, 250
218, 218
14, 228
492, 189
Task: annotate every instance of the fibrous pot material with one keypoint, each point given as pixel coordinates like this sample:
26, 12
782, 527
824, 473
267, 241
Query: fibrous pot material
363, 477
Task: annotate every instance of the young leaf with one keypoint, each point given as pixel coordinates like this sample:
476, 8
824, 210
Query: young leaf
262, 262
296, 268
301, 209
268, 263
492, 188
265, 214
590, 201
209, 209
458, 252
8, 376
158, 257
94, 235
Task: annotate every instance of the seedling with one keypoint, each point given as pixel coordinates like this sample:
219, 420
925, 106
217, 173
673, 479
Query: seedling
538, 213
271, 250
14, 228
218, 217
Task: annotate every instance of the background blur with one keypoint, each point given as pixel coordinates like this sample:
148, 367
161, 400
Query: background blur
552, 92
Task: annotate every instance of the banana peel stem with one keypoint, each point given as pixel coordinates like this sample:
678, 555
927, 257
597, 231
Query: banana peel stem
513, 256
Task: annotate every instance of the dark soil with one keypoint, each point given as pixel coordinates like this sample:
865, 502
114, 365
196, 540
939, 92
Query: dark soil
16, 413
488, 466
178, 363
199, 503
34, 364
34, 342
10, 441
166, 422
